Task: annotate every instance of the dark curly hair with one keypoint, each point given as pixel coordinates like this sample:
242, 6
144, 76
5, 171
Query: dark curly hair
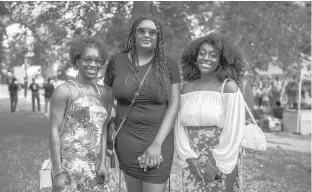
160, 64
232, 64
81, 43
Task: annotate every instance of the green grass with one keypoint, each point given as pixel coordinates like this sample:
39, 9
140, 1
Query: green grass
276, 170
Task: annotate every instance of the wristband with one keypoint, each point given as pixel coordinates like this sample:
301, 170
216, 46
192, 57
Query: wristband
58, 173
213, 167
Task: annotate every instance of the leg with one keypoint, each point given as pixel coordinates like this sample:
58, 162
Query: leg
15, 102
46, 104
38, 102
49, 105
151, 187
11, 102
230, 179
133, 184
33, 102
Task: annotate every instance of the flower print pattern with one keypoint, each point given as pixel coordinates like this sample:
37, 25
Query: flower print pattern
203, 141
80, 142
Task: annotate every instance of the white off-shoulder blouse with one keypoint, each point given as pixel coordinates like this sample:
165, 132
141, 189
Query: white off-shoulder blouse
210, 108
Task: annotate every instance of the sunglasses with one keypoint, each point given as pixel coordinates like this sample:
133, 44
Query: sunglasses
89, 60
151, 32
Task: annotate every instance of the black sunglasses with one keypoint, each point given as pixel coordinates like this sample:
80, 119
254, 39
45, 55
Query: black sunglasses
89, 60
151, 32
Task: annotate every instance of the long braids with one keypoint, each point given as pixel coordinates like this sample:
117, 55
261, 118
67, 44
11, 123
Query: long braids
160, 65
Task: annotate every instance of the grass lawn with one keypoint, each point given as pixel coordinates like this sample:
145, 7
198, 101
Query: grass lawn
276, 170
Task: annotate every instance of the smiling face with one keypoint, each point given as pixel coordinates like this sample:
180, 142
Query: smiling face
146, 34
89, 63
208, 59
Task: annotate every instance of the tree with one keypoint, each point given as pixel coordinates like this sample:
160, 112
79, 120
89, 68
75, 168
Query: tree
266, 32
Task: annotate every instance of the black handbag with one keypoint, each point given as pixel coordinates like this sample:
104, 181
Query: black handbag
110, 133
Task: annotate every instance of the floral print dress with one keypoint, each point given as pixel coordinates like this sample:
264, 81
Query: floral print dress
80, 141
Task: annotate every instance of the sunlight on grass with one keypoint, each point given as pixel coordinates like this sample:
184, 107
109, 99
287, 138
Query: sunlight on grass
276, 170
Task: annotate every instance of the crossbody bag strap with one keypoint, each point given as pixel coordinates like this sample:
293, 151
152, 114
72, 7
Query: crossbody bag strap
135, 96
246, 106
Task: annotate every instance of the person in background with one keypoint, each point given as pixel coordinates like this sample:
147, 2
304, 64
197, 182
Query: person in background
34, 87
48, 91
266, 92
276, 91
261, 83
258, 95
13, 89
25, 86
278, 110
292, 92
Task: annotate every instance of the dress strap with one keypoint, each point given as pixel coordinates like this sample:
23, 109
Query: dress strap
97, 88
75, 85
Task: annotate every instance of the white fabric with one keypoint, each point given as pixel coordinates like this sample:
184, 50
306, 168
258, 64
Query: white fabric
206, 108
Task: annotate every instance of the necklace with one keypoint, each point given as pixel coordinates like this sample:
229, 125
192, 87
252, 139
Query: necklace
88, 86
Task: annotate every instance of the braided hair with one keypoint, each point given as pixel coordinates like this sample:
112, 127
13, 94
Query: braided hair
159, 63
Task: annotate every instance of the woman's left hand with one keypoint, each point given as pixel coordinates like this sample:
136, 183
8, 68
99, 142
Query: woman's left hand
102, 174
209, 173
153, 155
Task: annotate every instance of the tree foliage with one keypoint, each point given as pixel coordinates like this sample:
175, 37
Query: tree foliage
266, 32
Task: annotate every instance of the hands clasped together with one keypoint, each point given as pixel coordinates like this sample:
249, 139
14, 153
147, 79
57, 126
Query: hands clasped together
207, 173
151, 158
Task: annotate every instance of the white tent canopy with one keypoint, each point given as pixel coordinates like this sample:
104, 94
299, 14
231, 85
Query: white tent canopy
272, 70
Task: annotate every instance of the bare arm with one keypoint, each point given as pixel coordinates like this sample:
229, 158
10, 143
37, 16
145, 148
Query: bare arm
170, 115
109, 104
59, 102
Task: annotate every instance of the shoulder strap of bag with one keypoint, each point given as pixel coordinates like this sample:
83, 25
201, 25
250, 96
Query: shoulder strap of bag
246, 106
133, 100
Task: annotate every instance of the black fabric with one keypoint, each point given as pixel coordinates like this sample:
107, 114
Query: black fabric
144, 119
35, 97
48, 90
34, 87
13, 101
13, 89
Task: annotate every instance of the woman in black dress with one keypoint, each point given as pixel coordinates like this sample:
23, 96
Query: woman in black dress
148, 129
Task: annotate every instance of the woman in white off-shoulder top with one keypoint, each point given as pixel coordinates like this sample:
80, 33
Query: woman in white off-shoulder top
209, 127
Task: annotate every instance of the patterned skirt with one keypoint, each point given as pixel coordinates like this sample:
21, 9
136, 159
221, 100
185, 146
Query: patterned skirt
203, 140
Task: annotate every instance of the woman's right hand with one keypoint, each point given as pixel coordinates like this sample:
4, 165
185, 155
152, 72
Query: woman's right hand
59, 183
196, 168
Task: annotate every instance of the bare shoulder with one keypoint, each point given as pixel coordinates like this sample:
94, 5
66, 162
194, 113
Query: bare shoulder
230, 87
61, 92
104, 89
187, 87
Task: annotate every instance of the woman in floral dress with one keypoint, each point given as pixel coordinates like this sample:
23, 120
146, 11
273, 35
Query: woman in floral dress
210, 124
79, 112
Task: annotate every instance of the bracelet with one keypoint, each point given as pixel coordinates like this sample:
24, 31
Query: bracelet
213, 167
58, 173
